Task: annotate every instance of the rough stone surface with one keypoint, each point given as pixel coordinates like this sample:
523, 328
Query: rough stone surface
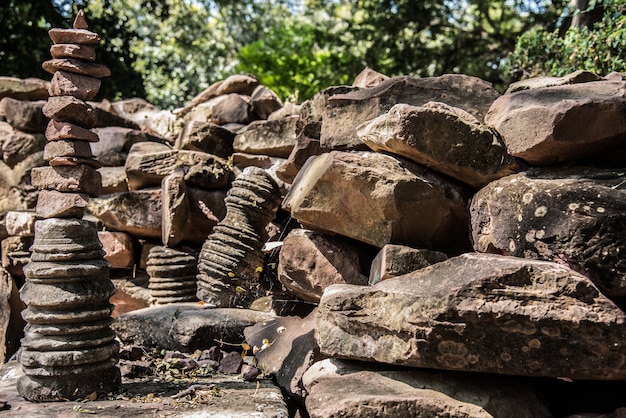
575, 217
344, 112
264, 102
481, 313
70, 109
148, 163
23, 89
6, 285
560, 124
369, 78
16, 254
340, 388
57, 130
285, 347
580, 76
443, 138
172, 274
309, 262
207, 137
70, 84
239, 83
185, 326
24, 115
379, 199
119, 248
55, 204
79, 67
17, 146
307, 145
176, 208
83, 52
20, 223
275, 138
73, 179
396, 260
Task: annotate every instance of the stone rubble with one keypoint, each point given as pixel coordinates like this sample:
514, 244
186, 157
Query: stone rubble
425, 231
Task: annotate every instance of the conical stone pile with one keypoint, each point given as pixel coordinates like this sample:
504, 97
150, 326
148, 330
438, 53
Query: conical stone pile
231, 260
69, 349
172, 275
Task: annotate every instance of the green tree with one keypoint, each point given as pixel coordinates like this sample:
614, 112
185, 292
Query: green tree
599, 48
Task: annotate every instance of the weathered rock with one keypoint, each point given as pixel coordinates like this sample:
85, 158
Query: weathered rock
73, 36
231, 260
115, 143
16, 254
559, 124
172, 274
580, 76
396, 260
57, 130
24, 115
67, 148
185, 326
275, 138
176, 210
575, 217
307, 145
81, 52
20, 223
288, 109
223, 110
137, 212
312, 109
231, 363
70, 109
368, 78
150, 118
344, 112
482, 313
70, 84
239, 83
285, 347
17, 146
264, 102
379, 199
119, 248
340, 388
23, 89
76, 66
310, 262
55, 204
148, 163
444, 138
113, 180
207, 137
73, 179
6, 285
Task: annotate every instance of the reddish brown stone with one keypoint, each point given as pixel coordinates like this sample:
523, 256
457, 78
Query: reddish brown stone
57, 130
119, 248
70, 109
65, 161
71, 84
66, 148
53, 204
84, 52
76, 66
80, 178
73, 36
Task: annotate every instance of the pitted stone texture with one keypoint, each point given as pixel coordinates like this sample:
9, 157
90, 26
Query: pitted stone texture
444, 138
573, 217
345, 112
172, 274
561, 124
341, 388
231, 261
482, 313
378, 199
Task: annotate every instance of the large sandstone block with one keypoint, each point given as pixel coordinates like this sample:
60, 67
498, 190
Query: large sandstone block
338, 388
481, 313
149, 162
345, 112
558, 124
379, 199
444, 138
24, 115
275, 138
23, 89
574, 217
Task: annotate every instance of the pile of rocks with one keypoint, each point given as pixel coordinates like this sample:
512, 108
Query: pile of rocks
463, 246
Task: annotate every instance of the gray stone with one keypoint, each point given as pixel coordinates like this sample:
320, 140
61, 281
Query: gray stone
185, 327
345, 112
576, 217
340, 388
16, 254
481, 313
444, 138
238, 83
379, 199
264, 102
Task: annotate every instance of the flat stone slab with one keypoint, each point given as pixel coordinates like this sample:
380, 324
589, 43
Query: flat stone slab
216, 396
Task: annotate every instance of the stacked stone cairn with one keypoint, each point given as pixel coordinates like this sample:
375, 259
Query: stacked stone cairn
69, 349
231, 260
172, 274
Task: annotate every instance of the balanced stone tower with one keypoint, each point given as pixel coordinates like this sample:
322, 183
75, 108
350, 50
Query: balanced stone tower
231, 260
69, 349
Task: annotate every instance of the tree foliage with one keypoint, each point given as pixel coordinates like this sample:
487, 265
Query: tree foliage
599, 48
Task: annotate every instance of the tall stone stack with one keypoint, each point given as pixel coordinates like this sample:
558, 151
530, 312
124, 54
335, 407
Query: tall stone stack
69, 349
231, 261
